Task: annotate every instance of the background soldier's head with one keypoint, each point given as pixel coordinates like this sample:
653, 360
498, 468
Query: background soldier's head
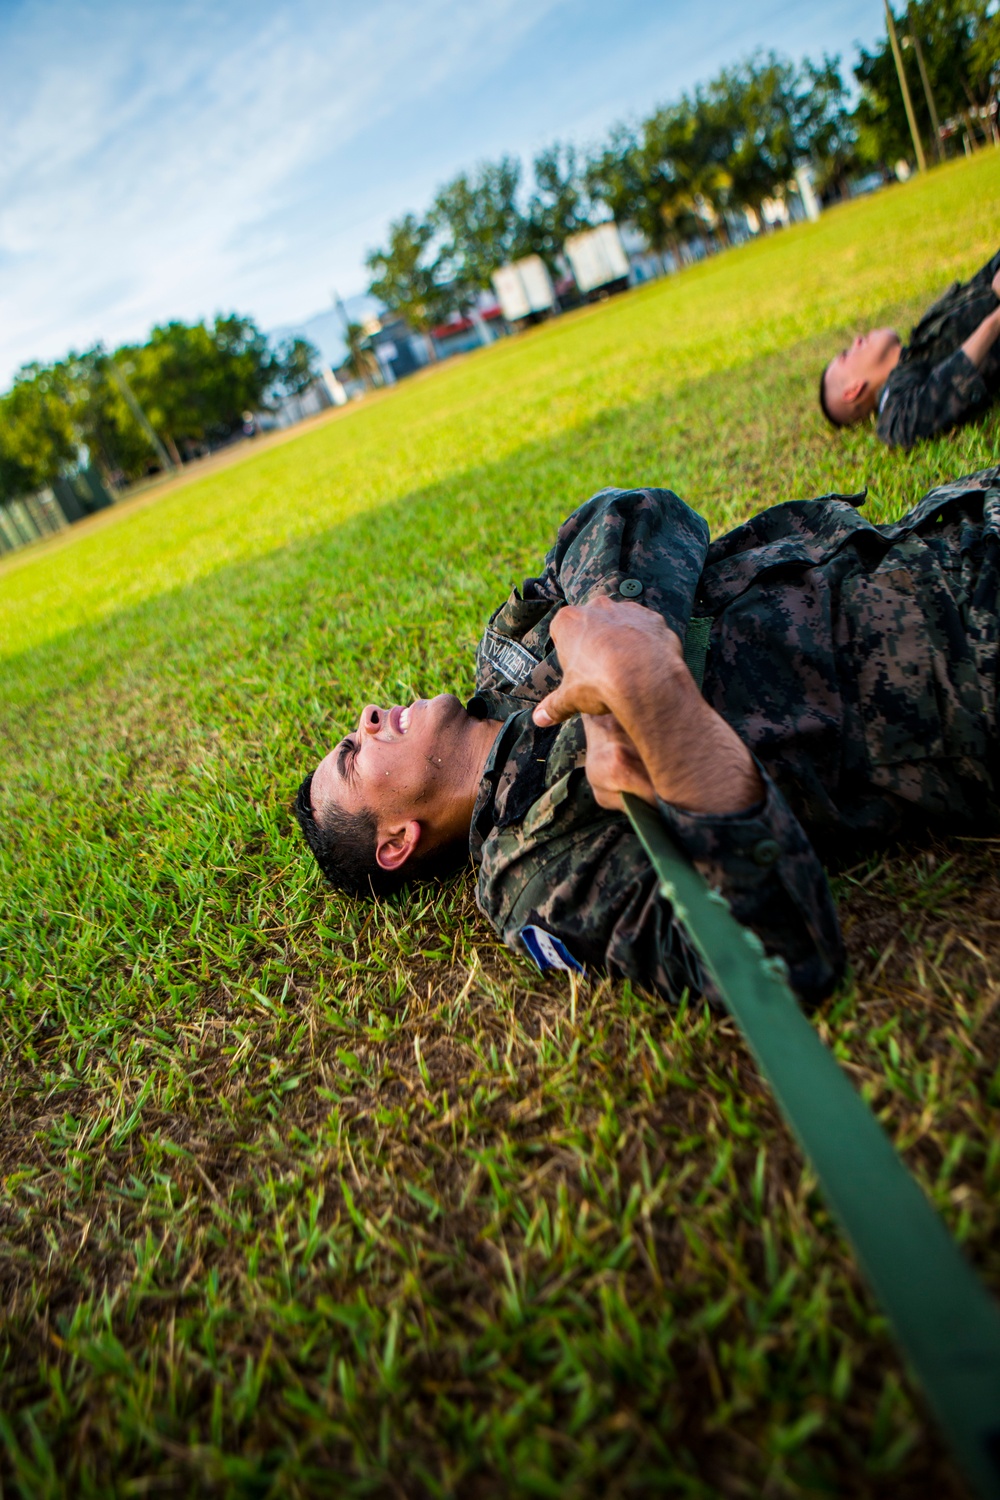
850, 386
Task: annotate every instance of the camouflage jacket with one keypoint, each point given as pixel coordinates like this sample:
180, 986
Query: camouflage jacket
935, 385
857, 662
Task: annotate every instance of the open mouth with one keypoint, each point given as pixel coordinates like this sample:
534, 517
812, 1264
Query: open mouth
402, 716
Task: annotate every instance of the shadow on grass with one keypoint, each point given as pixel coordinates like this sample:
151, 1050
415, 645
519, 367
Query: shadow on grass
453, 549
293, 1188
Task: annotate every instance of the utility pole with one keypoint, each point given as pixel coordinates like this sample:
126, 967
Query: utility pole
118, 376
363, 367
339, 305
932, 108
904, 88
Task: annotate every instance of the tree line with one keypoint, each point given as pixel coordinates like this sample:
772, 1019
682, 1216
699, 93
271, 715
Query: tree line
185, 390
694, 167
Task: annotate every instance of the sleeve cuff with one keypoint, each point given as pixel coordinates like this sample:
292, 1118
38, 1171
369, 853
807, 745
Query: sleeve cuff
762, 862
736, 849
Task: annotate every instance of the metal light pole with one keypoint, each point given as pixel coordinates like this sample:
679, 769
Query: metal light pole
339, 305
363, 370
904, 87
928, 95
118, 376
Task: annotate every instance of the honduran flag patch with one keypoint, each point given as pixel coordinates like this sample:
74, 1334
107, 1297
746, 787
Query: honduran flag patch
548, 951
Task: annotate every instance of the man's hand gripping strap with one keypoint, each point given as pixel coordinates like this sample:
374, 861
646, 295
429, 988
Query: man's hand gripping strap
944, 1320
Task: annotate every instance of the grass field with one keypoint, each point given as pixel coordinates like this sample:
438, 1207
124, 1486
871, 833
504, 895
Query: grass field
302, 1198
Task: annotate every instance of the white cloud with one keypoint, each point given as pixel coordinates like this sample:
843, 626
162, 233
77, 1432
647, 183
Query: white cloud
172, 160
152, 155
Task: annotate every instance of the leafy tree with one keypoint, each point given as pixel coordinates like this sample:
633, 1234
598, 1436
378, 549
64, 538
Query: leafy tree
293, 369
647, 178
769, 116
106, 426
480, 226
704, 139
37, 437
175, 379
616, 176
733, 144
194, 382
245, 368
825, 129
984, 51
405, 274
958, 39
560, 205
750, 130
686, 147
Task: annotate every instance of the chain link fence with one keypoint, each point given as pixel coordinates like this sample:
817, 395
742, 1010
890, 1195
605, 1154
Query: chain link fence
29, 518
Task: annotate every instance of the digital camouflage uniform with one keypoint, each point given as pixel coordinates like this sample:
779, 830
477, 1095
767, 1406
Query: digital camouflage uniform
935, 386
858, 663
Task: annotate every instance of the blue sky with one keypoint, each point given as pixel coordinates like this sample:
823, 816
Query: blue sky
174, 160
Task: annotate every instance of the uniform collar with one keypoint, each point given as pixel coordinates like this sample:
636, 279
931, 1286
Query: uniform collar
483, 813
488, 704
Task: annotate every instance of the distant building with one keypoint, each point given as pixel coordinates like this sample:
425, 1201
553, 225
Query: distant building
806, 187
644, 263
399, 351
461, 333
293, 409
334, 388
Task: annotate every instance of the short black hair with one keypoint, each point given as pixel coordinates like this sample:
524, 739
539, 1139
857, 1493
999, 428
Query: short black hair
824, 408
344, 845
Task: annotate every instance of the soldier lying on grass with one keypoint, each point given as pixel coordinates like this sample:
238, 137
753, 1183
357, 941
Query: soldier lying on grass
948, 373
849, 697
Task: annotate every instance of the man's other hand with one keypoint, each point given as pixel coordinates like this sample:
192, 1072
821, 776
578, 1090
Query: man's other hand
623, 660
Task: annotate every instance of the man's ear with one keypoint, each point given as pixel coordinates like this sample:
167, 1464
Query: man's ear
853, 392
395, 848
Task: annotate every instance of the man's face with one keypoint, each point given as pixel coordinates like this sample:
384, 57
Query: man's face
401, 764
855, 375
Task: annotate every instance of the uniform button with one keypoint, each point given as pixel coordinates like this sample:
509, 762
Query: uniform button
765, 852
630, 588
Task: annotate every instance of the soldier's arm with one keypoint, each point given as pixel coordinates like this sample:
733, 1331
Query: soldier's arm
634, 544
918, 404
981, 340
619, 661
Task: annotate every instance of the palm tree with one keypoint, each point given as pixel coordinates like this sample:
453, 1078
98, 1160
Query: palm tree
360, 359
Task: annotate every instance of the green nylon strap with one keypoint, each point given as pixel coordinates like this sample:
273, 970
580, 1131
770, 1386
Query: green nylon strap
944, 1320
696, 646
